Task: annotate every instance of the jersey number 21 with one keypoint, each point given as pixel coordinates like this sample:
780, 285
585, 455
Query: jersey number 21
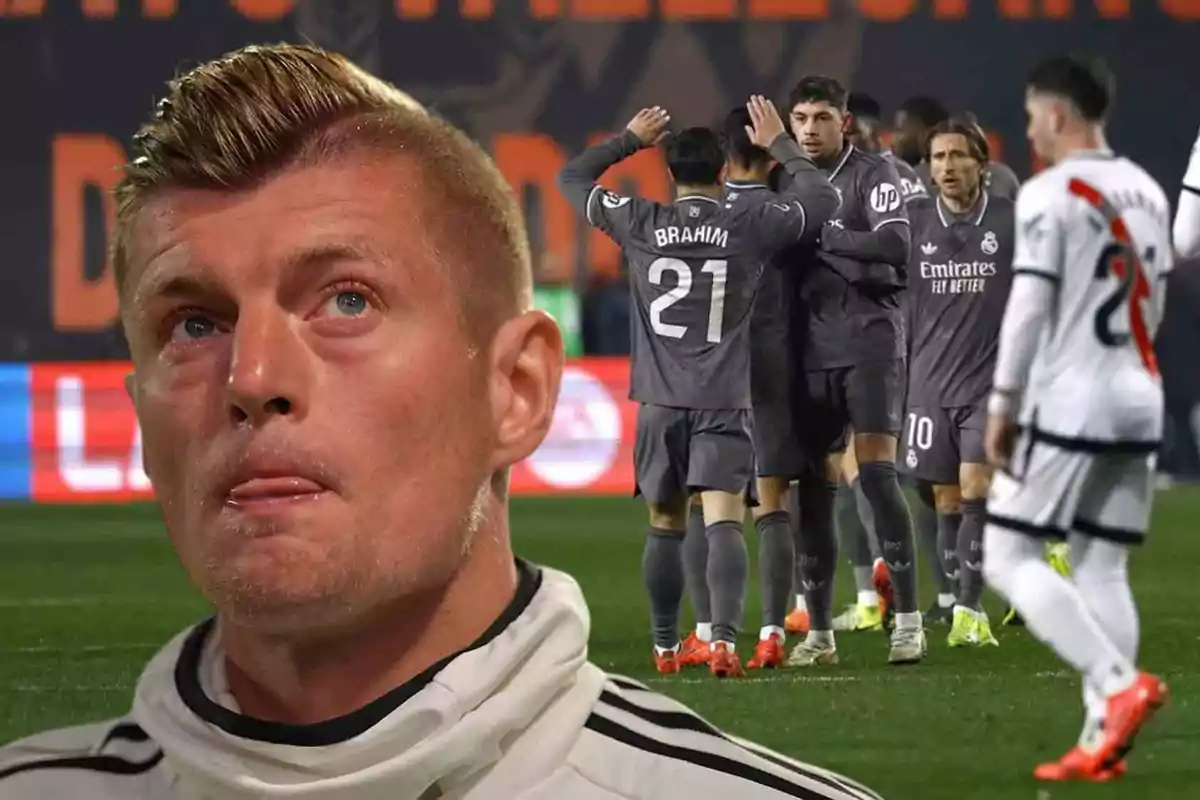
683, 287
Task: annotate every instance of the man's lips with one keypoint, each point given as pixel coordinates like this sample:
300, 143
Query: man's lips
275, 487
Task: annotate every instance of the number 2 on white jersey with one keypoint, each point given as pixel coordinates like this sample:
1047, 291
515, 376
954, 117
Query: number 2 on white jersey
1121, 262
683, 287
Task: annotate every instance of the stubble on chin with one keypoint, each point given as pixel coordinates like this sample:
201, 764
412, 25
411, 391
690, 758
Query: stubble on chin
289, 587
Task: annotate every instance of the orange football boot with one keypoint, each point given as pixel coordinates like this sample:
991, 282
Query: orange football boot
797, 622
694, 652
1124, 716
1074, 767
768, 653
666, 662
883, 587
725, 662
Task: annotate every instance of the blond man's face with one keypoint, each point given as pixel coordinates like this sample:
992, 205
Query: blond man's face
315, 417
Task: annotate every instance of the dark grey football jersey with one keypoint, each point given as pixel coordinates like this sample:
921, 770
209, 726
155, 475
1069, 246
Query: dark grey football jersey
694, 269
1000, 180
959, 276
769, 316
845, 324
1003, 182
912, 187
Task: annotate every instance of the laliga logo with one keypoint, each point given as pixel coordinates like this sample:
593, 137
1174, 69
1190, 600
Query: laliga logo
584, 437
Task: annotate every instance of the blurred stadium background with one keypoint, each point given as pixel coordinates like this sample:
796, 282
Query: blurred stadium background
88, 590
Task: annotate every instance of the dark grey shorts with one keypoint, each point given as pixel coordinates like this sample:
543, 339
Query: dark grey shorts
777, 452
680, 451
937, 440
776, 445
868, 398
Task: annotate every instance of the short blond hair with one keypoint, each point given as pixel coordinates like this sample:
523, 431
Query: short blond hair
233, 123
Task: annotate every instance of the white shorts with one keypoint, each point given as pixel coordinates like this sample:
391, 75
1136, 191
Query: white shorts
1053, 491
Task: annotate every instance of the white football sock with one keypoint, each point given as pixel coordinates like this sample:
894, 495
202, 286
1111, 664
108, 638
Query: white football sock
1095, 708
946, 600
1053, 608
766, 631
801, 603
704, 631
908, 621
868, 599
1100, 571
823, 638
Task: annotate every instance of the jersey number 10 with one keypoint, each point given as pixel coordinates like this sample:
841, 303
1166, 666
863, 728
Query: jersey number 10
683, 287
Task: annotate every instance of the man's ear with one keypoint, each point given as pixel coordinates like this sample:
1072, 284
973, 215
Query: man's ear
526, 371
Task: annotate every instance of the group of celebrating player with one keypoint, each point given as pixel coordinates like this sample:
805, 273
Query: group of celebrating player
809, 314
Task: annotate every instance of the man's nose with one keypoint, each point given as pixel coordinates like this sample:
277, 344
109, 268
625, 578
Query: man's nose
267, 368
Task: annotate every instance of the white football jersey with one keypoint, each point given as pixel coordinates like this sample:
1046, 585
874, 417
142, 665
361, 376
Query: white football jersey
1098, 226
1191, 178
520, 715
1187, 215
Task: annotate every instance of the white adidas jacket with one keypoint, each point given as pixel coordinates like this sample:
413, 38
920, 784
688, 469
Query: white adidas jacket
519, 715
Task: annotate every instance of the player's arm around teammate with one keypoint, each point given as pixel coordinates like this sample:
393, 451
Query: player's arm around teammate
852, 344
702, 260
748, 166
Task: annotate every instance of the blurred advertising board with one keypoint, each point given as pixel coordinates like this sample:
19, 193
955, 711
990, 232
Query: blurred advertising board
68, 435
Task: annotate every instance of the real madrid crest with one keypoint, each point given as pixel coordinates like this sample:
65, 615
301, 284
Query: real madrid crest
989, 244
911, 459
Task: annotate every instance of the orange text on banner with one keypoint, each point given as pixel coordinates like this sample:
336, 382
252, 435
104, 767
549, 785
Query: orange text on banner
1182, 9
81, 163
530, 161
599, 10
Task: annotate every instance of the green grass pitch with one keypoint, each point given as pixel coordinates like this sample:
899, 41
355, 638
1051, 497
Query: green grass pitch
87, 594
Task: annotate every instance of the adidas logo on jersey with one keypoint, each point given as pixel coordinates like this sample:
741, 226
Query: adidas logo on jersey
929, 248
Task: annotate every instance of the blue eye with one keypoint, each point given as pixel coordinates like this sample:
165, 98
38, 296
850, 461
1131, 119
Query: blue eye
193, 327
349, 304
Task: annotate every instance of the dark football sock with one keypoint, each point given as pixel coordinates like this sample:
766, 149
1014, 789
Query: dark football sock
776, 557
948, 531
930, 533
970, 553
792, 503
853, 535
817, 550
695, 565
867, 517
728, 573
662, 569
880, 485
